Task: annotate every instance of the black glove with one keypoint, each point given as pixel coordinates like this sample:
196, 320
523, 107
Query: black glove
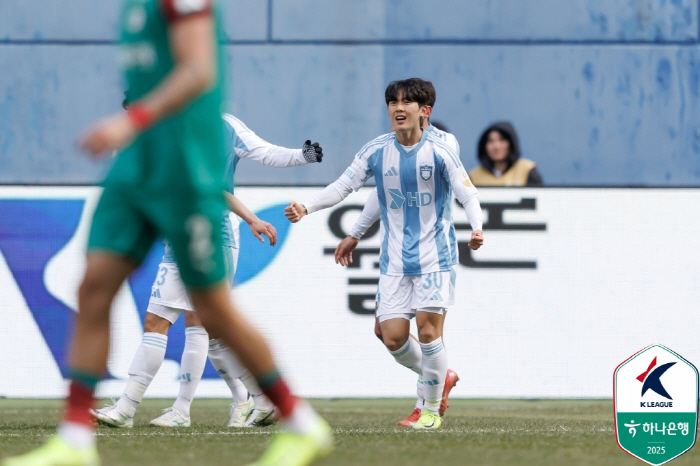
312, 152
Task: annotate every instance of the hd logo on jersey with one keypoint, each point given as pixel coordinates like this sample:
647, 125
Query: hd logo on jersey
656, 405
413, 199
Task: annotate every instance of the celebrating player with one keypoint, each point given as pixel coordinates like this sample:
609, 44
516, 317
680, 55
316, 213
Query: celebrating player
416, 173
343, 256
169, 299
167, 182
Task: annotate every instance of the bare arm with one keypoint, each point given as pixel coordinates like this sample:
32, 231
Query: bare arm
192, 42
238, 208
257, 226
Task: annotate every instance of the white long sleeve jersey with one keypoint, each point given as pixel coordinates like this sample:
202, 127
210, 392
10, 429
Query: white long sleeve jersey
415, 190
242, 143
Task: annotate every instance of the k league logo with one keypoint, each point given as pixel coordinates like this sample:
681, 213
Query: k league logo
656, 405
652, 381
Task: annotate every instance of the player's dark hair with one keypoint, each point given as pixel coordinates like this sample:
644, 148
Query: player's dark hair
126, 101
430, 89
413, 89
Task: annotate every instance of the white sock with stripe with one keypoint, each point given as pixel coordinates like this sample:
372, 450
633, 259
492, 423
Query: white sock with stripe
434, 372
409, 355
234, 367
145, 365
194, 357
217, 356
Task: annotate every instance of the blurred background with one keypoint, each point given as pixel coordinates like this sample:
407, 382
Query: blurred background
601, 92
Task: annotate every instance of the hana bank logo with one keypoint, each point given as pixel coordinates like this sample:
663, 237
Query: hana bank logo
33, 231
647, 428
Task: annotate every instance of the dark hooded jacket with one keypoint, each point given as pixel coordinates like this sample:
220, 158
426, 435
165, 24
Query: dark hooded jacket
527, 175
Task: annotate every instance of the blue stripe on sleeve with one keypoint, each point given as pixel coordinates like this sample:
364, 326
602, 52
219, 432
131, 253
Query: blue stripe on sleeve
443, 145
381, 140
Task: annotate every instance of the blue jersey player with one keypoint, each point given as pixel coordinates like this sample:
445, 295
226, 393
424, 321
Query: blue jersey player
169, 299
417, 174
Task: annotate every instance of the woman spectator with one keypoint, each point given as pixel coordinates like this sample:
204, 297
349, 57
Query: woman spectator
498, 152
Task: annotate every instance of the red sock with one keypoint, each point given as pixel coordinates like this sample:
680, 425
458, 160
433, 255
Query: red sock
278, 392
80, 400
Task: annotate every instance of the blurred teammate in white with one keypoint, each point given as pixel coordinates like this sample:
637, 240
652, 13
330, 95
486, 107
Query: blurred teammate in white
343, 256
169, 299
416, 174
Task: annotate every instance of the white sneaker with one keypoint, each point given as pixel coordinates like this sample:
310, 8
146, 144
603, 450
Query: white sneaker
262, 418
240, 412
171, 417
111, 416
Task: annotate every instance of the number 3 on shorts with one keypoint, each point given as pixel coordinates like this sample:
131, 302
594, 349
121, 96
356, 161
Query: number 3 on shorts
161, 278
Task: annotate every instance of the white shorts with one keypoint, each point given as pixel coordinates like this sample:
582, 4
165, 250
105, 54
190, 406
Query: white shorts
399, 297
171, 314
169, 295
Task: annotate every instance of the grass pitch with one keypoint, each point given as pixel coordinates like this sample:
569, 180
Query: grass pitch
475, 432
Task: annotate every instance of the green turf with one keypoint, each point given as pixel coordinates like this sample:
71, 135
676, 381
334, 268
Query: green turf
476, 432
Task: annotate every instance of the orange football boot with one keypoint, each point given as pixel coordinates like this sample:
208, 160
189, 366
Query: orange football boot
412, 419
451, 380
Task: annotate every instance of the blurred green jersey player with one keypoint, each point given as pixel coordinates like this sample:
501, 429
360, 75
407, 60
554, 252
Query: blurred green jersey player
168, 181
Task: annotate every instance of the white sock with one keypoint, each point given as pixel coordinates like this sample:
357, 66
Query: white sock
302, 420
77, 435
434, 372
262, 402
409, 355
217, 356
236, 368
419, 392
147, 360
239, 393
194, 357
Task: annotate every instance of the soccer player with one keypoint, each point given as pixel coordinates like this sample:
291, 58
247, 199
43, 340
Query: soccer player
416, 174
343, 256
169, 300
167, 182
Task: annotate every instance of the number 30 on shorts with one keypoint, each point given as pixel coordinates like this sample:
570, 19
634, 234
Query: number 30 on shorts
432, 280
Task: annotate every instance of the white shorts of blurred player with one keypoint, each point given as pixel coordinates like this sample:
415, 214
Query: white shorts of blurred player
169, 297
399, 297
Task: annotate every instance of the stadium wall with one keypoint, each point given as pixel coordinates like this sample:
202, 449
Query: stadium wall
569, 284
601, 92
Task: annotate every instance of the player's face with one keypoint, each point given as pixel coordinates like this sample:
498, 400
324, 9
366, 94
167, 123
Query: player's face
404, 114
497, 147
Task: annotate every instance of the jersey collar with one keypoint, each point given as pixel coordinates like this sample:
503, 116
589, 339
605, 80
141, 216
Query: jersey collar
413, 151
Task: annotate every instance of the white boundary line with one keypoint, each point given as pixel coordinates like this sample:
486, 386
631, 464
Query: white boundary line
341, 431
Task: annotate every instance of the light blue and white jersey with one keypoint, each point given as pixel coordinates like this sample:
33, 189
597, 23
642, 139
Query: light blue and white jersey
415, 189
242, 143
448, 138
